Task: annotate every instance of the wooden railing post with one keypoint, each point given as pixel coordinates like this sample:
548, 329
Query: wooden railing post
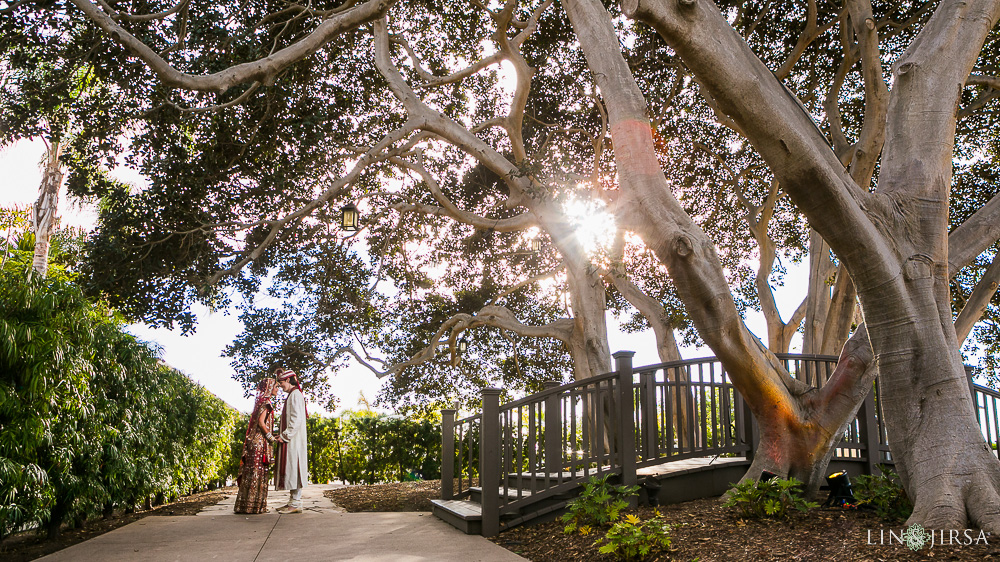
553, 431
626, 424
867, 416
447, 454
650, 428
489, 462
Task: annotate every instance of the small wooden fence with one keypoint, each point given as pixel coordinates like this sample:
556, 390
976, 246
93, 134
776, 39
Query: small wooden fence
550, 442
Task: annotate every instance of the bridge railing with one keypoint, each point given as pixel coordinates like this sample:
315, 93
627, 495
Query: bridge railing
543, 444
689, 409
460, 454
987, 404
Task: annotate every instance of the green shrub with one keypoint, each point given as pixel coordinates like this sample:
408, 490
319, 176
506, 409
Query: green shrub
633, 539
368, 447
884, 493
90, 420
773, 498
599, 504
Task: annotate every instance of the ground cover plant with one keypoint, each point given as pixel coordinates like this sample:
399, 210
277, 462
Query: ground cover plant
884, 493
774, 498
599, 503
631, 538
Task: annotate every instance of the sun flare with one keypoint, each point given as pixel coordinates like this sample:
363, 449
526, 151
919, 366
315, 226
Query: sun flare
594, 226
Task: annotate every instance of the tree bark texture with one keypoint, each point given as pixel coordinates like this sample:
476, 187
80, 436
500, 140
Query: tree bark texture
44, 215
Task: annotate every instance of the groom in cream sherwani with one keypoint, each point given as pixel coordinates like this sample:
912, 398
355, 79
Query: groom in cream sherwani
292, 466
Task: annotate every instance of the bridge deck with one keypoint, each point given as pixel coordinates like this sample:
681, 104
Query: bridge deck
689, 465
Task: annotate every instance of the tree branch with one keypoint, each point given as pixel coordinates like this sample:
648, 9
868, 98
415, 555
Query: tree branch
243, 97
519, 222
525, 283
376, 154
492, 316
927, 87
678, 242
869, 144
124, 16
435, 122
831, 104
974, 236
652, 310
430, 80
978, 300
263, 70
809, 34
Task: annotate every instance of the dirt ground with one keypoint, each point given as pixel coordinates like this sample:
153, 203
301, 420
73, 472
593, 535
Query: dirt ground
400, 496
701, 530
31, 545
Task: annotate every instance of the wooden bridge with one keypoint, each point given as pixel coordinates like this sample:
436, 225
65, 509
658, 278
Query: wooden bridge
679, 430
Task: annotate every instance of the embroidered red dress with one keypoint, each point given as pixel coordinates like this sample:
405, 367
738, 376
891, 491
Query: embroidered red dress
255, 464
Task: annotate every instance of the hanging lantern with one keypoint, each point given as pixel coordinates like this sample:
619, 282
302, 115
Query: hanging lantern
463, 345
349, 218
536, 245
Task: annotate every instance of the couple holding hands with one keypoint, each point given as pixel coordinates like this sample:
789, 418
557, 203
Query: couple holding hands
255, 464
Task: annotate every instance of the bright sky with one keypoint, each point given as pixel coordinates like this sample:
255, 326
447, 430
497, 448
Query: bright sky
199, 355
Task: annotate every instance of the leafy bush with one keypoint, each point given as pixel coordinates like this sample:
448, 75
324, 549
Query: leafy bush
633, 539
600, 503
367, 447
90, 420
884, 493
772, 498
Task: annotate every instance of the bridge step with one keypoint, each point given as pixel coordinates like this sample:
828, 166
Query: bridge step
543, 515
512, 493
464, 515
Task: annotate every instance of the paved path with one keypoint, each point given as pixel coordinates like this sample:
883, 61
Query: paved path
322, 532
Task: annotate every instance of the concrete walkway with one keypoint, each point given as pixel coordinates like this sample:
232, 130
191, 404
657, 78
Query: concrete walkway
322, 532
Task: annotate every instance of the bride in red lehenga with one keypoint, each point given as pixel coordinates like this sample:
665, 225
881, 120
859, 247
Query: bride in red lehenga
255, 464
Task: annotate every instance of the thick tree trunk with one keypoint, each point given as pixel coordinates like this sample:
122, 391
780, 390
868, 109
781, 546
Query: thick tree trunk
44, 215
947, 468
589, 344
801, 443
893, 242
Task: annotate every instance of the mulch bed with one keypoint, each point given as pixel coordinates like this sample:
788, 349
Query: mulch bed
703, 530
31, 545
398, 496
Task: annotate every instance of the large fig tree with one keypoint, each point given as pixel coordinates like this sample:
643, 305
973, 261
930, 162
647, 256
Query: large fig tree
248, 120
